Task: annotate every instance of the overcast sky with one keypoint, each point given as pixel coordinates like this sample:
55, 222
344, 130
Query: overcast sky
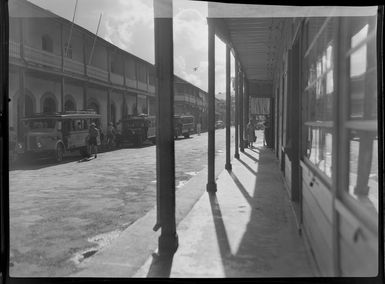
129, 24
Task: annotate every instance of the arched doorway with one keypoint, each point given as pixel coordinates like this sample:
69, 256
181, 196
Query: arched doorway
29, 109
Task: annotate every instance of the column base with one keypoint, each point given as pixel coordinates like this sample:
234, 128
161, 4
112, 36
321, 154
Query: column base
211, 187
168, 244
228, 167
236, 156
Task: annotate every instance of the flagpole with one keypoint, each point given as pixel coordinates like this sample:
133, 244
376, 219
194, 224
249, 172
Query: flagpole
70, 35
96, 35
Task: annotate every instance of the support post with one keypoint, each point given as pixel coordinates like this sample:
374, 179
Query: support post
165, 162
236, 155
211, 184
62, 88
246, 115
85, 90
228, 107
108, 106
241, 124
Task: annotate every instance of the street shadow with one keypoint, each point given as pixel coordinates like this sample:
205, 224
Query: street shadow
250, 156
247, 166
241, 188
160, 266
37, 164
223, 240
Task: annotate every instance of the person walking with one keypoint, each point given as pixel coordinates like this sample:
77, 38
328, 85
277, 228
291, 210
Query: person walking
110, 134
92, 141
250, 132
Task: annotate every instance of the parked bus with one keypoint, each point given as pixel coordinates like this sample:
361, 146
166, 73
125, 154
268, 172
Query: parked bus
183, 125
55, 134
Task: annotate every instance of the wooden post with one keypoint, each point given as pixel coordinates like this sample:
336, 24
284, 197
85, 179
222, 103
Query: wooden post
247, 103
62, 90
165, 162
241, 124
211, 184
236, 155
85, 90
228, 107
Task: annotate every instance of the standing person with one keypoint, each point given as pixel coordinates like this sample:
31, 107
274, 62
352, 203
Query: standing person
266, 132
250, 132
199, 125
110, 134
92, 141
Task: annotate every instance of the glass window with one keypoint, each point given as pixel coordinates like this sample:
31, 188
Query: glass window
362, 123
318, 95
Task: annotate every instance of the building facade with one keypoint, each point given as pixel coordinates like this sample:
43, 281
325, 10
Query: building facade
58, 66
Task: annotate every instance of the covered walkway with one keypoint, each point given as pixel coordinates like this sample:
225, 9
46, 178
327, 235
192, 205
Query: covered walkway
247, 229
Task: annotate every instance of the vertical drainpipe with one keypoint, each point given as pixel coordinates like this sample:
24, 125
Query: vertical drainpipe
211, 184
241, 111
165, 160
236, 114
228, 107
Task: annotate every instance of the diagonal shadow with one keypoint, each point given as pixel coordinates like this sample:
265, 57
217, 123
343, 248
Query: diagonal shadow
160, 265
223, 240
241, 188
250, 156
247, 166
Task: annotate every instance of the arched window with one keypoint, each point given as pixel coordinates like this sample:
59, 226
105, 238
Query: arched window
47, 43
69, 105
93, 105
49, 105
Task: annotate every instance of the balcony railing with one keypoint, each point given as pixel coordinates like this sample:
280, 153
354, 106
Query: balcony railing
14, 49
41, 57
97, 73
151, 88
116, 78
142, 86
130, 83
73, 66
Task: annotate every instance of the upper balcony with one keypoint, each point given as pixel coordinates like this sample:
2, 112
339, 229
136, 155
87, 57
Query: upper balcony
97, 73
73, 66
41, 57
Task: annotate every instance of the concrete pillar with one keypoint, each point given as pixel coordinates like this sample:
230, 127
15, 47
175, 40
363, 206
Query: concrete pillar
165, 162
211, 184
85, 90
241, 124
228, 107
236, 155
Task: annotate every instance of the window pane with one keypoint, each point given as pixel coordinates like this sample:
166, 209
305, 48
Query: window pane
319, 148
363, 168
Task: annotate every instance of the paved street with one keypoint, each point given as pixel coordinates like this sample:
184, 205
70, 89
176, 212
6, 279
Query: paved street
61, 212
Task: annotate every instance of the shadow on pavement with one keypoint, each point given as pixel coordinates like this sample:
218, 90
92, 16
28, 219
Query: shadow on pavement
160, 265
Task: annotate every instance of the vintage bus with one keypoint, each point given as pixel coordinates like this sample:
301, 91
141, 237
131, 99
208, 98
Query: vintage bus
55, 134
136, 129
183, 125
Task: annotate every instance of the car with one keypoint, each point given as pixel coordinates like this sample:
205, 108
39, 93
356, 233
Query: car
219, 124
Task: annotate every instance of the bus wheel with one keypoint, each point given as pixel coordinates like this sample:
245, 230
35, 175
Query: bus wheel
187, 135
59, 153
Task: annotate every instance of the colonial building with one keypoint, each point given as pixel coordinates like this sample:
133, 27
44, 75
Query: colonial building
56, 65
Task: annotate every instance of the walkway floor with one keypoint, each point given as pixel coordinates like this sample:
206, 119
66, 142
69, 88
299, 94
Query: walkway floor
246, 229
